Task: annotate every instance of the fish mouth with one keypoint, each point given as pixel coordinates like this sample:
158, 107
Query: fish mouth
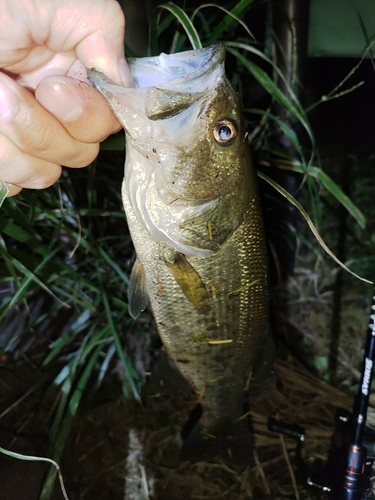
163, 86
192, 71
183, 67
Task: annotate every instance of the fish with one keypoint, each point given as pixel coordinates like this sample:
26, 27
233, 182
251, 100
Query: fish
192, 204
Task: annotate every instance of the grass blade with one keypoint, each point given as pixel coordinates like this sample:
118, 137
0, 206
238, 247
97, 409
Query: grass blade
184, 20
129, 370
58, 345
232, 16
305, 215
270, 86
114, 265
30, 277
3, 192
69, 412
335, 190
31, 458
285, 128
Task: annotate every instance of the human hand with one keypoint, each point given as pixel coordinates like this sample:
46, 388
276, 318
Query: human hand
49, 115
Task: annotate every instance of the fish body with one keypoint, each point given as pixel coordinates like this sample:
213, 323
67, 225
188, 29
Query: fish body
192, 205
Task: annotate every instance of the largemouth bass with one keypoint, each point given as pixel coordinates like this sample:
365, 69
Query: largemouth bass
192, 205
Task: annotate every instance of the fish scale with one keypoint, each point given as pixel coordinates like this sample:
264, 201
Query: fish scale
192, 205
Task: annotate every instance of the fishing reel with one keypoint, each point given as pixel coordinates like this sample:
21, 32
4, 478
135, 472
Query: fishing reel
348, 472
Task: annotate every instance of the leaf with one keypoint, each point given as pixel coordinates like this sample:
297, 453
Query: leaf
270, 86
228, 21
14, 231
126, 364
29, 277
12, 210
8, 262
60, 432
285, 128
31, 458
105, 364
114, 265
129, 370
331, 187
57, 346
3, 192
315, 232
185, 21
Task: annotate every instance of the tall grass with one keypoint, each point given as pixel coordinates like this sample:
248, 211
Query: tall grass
70, 243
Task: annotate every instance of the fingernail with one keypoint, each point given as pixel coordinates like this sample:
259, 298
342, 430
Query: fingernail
63, 101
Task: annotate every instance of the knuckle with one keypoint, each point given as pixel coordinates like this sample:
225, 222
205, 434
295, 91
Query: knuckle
24, 170
13, 190
43, 177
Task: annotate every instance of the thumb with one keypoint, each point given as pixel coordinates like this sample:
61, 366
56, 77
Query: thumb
103, 48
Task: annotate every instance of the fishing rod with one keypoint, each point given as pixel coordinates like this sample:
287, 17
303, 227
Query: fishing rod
347, 472
353, 479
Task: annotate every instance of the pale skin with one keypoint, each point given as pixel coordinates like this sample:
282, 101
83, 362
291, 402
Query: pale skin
49, 115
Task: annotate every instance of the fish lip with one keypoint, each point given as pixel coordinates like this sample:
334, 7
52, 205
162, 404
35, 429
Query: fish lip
210, 57
97, 79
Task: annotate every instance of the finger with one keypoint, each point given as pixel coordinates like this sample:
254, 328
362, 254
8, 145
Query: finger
23, 170
103, 47
82, 110
13, 190
36, 132
31, 33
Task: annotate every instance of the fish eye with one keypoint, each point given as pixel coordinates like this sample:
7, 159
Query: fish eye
225, 132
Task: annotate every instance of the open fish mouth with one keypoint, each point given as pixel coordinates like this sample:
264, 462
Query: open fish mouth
164, 86
194, 67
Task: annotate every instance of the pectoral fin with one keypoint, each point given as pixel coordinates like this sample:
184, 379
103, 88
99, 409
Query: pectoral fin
137, 295
190, 283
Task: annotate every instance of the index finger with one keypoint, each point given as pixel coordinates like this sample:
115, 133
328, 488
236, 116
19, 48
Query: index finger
33, 33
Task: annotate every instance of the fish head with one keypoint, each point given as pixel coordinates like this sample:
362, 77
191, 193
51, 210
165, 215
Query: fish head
187, 175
